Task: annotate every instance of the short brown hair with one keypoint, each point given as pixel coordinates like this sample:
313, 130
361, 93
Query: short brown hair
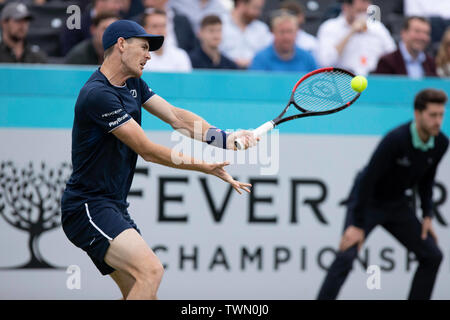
429, 95
293, 6
210, 20
407, 21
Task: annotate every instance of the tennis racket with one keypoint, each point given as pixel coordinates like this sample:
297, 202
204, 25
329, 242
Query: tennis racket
322, 91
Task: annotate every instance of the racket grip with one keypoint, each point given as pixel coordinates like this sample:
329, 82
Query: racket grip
269, 125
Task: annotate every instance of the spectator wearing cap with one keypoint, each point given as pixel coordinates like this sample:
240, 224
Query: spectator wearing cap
352, 41
90, 51
410, 58
15, 21
283, 54
168, 58
243, 33
71, 37
208, 55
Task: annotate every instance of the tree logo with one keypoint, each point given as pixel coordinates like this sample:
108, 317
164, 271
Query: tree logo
30, 201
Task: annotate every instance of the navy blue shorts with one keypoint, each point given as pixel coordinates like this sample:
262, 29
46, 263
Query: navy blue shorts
91, 228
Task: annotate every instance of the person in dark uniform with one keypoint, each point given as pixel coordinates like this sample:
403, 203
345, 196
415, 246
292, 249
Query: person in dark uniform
406, 158
106, 141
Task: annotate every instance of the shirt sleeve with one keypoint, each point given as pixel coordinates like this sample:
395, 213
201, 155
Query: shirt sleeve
388, 41
425, 188
105, 110
258, 63
379, 164
312, 64
327, 38
146, 92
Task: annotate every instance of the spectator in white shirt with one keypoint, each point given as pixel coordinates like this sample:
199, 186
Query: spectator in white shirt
196, 10
243, 33
168, 58
304, 40
351, 41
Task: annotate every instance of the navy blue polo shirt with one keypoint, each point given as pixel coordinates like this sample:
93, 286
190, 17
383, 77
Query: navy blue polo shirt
103, 166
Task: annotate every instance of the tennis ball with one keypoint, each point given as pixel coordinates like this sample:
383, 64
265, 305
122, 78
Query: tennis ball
359, 83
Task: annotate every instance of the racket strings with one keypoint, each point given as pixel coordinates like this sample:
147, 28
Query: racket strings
325, 91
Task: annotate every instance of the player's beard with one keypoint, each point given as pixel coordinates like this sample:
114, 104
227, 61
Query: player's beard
431, 131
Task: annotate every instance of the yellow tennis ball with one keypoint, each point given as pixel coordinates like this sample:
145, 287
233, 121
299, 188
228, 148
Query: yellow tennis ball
359, 83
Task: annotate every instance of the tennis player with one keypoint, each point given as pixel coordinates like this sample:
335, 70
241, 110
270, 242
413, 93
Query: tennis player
106, 140
407, 157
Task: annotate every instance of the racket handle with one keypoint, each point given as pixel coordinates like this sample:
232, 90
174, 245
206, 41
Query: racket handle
269, 125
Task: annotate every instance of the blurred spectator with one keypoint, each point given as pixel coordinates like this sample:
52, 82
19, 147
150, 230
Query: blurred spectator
304, 40
179, 30
283, 54
243, 34
208, 55
410, 58
90, 51
15, 21
437, 11
352, 42
443, 56
70, 38
169, 57
195, 10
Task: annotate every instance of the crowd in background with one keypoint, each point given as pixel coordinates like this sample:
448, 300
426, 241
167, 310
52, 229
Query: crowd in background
410, 37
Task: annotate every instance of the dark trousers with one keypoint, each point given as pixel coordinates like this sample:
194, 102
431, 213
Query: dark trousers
401, 221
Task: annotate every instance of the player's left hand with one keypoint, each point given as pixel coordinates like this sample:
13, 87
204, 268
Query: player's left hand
217, 169
427, 227
246, 136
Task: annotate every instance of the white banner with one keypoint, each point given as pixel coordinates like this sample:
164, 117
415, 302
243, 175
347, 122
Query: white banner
215, 244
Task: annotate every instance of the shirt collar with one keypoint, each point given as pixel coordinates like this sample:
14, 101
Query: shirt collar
417, 142
408, 58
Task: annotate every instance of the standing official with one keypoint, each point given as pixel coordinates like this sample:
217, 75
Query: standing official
407, 157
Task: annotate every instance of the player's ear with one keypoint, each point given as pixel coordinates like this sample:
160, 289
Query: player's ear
121, 43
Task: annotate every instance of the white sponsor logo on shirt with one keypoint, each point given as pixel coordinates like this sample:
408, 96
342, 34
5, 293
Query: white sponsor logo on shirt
404, 162
111, 113
118, 120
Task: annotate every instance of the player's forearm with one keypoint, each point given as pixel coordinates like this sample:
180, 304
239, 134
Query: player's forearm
190, 124
170, 158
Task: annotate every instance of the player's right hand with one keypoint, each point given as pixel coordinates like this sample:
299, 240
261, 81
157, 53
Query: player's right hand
217, 169
352, 235
247, 137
